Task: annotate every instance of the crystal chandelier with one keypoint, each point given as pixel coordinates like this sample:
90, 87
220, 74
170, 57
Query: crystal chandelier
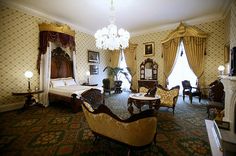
109, 38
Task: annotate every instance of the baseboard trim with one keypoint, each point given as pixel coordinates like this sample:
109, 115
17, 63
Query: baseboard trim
12, 106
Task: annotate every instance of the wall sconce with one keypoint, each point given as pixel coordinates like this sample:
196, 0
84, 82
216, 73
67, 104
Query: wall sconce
87, 74
221, 69
29, 75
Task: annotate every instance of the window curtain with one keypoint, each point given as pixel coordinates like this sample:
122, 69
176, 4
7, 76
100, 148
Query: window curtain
45, 74
75, 67
130, 56
169, 54
195, 51
114, 58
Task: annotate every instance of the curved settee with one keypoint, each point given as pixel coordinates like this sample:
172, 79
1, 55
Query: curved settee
137, 131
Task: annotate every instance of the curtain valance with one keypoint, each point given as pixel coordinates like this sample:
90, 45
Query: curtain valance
183, 31
61, 35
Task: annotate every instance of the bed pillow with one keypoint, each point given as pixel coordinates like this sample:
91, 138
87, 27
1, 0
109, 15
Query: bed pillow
67, 78
57, 83
70, 82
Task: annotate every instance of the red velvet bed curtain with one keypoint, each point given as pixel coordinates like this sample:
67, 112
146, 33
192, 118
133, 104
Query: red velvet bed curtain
62, 39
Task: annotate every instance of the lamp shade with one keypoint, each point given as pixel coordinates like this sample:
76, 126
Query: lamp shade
221, 68
29, 74
87, 73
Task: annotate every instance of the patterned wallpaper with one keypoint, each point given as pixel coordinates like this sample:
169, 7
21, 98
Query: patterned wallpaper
19, 42
215, 49
233, 25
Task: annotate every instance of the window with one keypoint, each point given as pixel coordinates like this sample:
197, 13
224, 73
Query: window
181, 70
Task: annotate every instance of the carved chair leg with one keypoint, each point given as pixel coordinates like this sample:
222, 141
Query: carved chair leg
96, 139
191, 98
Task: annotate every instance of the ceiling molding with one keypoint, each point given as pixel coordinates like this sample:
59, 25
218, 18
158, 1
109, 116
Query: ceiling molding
227, 7
194, 21
45, 16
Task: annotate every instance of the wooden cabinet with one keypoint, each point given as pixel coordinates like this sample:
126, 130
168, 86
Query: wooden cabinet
147, 83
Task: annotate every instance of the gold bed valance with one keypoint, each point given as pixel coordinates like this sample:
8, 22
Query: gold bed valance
65, 29
183, 31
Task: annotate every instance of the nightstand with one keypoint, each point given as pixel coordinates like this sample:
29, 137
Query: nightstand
30, 101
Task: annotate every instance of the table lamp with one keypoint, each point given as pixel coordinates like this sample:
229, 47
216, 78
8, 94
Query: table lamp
88, 74
29, 75
221, 69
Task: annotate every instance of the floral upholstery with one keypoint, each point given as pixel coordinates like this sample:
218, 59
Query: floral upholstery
168, 97
137, 132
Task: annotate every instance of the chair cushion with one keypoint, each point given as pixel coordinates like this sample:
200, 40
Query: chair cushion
143, 90
167, 96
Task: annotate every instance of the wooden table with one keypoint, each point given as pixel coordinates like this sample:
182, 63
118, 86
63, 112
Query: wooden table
30, 101
138, 99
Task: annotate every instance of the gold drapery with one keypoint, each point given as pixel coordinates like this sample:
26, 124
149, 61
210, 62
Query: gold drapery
64, 29
195, 49
183, 30
169, 53
130, 57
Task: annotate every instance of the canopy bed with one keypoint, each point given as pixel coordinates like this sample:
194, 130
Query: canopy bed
58, 73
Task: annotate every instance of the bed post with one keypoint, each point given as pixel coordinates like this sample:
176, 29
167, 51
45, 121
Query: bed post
75, 103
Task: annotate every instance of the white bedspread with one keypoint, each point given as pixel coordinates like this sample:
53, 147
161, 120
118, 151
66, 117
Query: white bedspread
69, 90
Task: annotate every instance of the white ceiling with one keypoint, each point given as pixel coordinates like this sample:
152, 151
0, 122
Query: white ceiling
136, 16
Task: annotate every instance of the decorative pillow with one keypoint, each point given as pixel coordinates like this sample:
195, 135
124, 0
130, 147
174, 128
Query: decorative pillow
57, 83
70, 82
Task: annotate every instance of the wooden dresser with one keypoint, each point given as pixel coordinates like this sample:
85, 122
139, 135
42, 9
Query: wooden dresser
147, 83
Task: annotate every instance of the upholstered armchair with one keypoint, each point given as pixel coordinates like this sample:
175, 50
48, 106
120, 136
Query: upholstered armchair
137, 131
169, 97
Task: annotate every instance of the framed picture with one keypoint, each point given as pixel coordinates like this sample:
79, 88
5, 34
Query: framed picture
94, 70
226, 53
93, 57
149, 49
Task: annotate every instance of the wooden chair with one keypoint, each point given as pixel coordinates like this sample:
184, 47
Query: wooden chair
216, 96
107, 86
191, 91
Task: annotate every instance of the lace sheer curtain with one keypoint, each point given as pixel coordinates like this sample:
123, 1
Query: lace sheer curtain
45, 74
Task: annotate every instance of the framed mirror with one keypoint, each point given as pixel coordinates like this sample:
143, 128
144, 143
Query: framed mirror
148, 70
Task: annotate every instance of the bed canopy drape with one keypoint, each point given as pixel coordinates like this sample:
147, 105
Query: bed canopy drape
194, 41
62, 35
49, 36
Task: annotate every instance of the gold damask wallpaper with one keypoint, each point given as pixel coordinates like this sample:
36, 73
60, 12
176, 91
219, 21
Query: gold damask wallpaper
233, 25
19, 42
214, 49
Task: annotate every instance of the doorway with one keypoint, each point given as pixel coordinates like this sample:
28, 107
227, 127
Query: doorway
181, 70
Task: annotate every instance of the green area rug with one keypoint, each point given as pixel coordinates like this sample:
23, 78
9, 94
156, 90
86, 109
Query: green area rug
57, 131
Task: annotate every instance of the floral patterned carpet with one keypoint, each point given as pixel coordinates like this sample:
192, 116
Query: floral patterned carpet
55, 131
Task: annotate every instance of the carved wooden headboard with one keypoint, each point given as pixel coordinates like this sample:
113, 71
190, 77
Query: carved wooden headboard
61, 64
